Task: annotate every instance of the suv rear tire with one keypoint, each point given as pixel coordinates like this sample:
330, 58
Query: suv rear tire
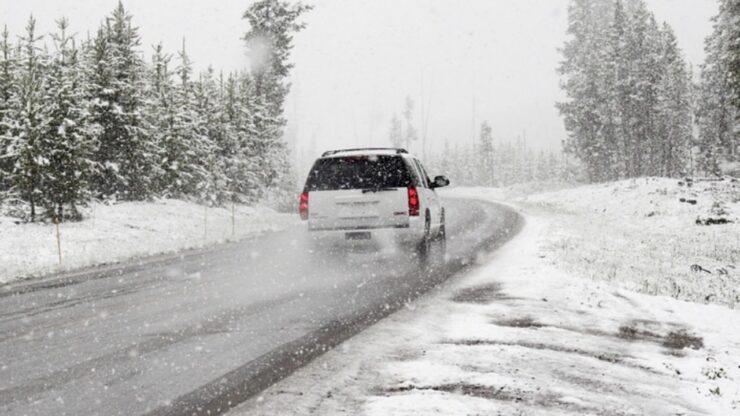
424, 247
442, 235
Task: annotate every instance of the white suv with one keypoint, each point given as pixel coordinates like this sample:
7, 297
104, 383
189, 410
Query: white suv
373, 194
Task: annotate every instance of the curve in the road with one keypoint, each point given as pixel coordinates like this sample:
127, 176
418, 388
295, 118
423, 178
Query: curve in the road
237, 386
163, 337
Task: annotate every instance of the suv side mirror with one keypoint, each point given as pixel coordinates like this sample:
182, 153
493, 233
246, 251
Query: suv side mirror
440, 182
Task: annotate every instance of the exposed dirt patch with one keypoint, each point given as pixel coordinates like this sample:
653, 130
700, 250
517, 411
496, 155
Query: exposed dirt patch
676, 339
546, 400
607, 357
524, 322
474, 390
682, 339
481, 295
632, 333
601, 356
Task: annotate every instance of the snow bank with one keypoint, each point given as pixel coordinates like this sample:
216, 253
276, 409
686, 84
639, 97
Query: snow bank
118, 232
649, 235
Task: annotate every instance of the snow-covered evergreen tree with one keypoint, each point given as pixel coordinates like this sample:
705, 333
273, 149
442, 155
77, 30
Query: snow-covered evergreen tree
443, 162
65, 146
395, 134
160, 115
674, 109
731, 10
410, 134
582, 71
211, 142
485, 155
242, 167
272, 24
28, 122
717, 113
644, 45
618, 85
8, 64
183, 144
126, 152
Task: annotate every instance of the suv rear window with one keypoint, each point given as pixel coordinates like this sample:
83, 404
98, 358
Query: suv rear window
358, 172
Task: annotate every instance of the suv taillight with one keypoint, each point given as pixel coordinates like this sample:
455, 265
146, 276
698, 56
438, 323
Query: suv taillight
303, 207
413, 202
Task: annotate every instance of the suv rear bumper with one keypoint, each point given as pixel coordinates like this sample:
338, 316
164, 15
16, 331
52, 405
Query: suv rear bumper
412, 232
359, 228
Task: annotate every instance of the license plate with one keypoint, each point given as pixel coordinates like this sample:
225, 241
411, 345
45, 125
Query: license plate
357, 236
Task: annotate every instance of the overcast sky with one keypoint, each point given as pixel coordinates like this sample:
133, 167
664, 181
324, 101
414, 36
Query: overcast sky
467, 61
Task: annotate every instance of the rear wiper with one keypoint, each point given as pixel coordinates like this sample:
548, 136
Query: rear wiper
364, 191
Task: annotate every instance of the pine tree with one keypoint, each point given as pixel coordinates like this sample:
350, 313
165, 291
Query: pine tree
272, 24
242, 169
29, 122
716, 115
187, 145
250, 137
99, 78
160, 115
410, 134
582, 70
8, 68
731, 11
638, 117
126, 153
619, 83
395, 134
212, 144
65, 146
485, 155
181, 171
674, 125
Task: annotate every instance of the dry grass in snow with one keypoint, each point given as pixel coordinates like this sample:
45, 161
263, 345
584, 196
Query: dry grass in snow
649, 235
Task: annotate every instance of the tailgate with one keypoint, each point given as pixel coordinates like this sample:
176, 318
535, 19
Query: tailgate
358, 209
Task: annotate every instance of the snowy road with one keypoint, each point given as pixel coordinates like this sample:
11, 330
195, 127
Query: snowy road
203, 332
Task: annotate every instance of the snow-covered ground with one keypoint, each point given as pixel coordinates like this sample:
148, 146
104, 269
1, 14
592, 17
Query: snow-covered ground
529, 333
119, 232
643, 235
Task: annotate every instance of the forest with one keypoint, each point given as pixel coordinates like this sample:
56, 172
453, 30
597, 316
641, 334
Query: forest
84, 119
633, 105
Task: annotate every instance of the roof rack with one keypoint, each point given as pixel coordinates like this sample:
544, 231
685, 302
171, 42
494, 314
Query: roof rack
333, 152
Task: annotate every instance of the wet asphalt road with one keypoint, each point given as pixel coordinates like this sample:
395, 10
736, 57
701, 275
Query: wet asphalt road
202, 332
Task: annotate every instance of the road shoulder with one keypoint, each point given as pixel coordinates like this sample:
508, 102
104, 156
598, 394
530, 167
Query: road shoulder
118, 236
517, 335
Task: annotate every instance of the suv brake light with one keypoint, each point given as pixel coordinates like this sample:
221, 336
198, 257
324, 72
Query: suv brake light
303, 206
413, 202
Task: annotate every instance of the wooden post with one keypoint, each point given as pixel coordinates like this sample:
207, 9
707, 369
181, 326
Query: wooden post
205, 222
59, 240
